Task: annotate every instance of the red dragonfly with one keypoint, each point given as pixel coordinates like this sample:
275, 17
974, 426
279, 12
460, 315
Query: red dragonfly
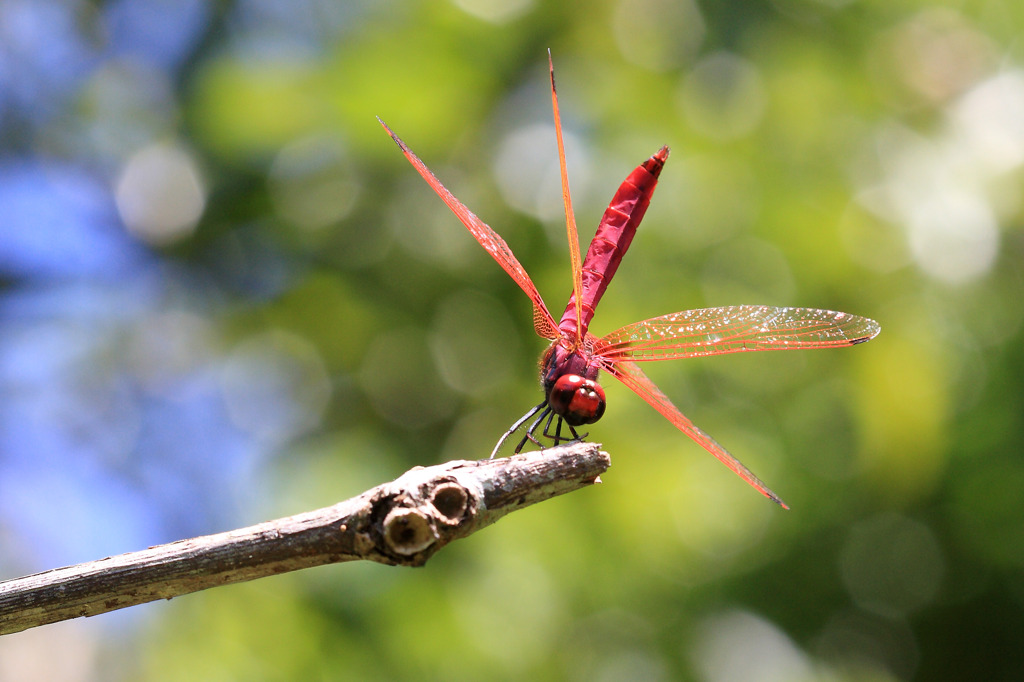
571, 364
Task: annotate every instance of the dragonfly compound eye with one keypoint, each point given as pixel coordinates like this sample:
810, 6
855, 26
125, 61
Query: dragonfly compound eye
577, 400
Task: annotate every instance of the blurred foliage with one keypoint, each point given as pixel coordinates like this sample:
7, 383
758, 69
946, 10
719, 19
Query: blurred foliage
225, 296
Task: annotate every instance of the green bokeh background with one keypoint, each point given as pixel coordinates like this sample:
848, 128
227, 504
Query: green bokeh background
858, 156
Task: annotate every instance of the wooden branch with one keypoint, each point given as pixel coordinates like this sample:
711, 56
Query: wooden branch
401, 523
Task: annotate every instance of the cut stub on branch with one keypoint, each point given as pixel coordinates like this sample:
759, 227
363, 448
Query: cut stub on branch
429, 507
401, 523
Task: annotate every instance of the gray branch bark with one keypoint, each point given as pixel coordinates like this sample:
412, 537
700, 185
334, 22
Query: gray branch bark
401, 523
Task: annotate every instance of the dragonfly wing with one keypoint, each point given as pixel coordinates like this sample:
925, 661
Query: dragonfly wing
631, 375
570, 218
543, 323
734, 329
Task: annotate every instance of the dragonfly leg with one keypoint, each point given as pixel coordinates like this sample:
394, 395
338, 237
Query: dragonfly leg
557, 435
575, 436
547, 426
533, 427
546, 412
515, 427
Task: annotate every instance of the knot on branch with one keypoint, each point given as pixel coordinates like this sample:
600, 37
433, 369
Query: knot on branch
451, 501
408, 531
426, 515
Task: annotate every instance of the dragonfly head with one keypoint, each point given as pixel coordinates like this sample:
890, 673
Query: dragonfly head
569, 380
577, 400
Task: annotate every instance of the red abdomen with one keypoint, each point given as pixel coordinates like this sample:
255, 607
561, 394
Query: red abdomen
614, 235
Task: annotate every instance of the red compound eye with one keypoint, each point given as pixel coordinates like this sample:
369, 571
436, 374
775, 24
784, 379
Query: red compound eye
577, 400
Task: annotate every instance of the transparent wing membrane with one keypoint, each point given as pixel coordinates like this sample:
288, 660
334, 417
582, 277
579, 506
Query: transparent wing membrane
575, 261
543, 323
631, 375
734, 329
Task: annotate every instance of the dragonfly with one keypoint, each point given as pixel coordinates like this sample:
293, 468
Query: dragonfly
570, 366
